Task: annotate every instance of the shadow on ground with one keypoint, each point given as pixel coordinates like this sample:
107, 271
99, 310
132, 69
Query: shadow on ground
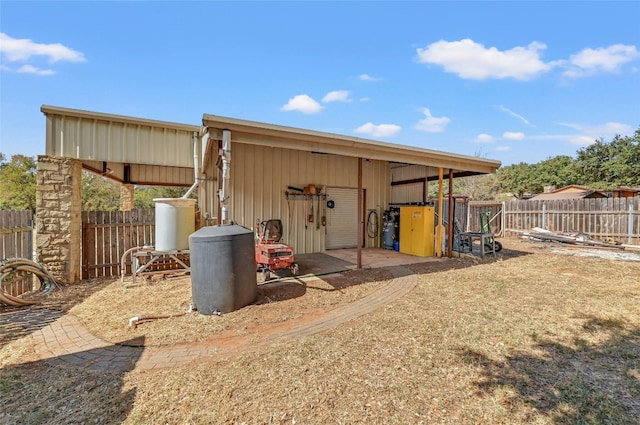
336, 274
17, 322
51, 392
581, 383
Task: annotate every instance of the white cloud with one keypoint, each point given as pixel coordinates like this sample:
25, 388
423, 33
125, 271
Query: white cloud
588, 135
513, 114
432, 124
367, 77
380, 130
513, 135
337, 96
484, 138
608, 59
23, 49
29, 69
502, 148
581, 140
302, 103
471, 60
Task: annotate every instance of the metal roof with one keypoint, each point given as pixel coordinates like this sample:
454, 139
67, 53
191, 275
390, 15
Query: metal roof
79, 113
567, 195
257, 133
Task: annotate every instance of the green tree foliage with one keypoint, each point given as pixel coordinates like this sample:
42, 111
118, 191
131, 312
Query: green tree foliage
608, 165
18, 183
558, 171
99, 193
518, 179
144, 195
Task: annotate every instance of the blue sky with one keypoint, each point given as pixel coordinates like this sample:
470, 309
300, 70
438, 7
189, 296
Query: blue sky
512, 81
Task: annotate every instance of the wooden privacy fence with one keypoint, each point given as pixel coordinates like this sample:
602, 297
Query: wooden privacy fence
106, 235
16, 241
491, 212
603, 219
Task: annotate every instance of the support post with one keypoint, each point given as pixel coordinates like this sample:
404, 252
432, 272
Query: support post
127, 197
451, 218
630, 223
360, 215
440, 226
58, 218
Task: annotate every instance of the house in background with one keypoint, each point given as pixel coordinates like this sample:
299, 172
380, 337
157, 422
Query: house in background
575, 191
569, 192
623, 192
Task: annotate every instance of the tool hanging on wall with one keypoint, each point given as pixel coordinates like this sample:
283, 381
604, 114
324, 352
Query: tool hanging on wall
318, 214
311, 213
324, 212
305, 214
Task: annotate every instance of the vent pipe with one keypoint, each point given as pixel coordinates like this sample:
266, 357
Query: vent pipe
196, 166
226, 164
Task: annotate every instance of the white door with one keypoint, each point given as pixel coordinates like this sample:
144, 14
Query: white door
342, 219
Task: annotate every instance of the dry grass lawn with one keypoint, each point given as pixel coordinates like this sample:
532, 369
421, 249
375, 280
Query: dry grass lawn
533, 337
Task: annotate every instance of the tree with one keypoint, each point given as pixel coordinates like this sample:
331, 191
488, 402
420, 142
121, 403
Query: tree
558, 171
18, 183
144, 195
99, 193
519, 179
608, 165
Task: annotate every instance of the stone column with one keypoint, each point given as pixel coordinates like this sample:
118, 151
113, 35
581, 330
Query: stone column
58, 217
126, 197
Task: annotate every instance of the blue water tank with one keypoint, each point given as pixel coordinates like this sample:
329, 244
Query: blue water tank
223, 268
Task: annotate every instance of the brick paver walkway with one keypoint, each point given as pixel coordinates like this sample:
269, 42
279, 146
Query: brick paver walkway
67, 342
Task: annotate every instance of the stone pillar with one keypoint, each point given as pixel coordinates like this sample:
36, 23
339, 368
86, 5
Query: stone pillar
58, 217
126, 197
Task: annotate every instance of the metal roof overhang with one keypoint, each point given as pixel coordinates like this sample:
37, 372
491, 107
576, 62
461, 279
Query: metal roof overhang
91, 137
79, 113
256, 133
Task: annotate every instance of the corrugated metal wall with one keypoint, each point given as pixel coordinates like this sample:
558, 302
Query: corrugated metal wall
103, 140
260, 176
407, 193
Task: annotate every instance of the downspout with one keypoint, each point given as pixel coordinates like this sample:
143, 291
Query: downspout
196, 166
226, 164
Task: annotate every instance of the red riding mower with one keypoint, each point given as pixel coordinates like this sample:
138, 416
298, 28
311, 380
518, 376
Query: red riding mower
271, 254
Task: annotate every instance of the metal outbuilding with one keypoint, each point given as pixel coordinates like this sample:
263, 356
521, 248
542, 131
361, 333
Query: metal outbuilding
267, 160
247, 171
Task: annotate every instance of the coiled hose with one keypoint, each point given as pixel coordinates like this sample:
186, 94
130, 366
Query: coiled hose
373, 227
11, 266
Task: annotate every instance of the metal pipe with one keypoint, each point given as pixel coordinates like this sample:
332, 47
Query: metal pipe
226, 165
196, 166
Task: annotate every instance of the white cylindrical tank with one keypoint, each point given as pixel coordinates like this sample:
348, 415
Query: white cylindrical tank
175, 221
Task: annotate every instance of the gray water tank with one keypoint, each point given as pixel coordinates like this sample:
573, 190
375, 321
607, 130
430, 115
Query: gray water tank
223, 268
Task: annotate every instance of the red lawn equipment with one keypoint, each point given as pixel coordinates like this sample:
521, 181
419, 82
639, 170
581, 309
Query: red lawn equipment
271, 254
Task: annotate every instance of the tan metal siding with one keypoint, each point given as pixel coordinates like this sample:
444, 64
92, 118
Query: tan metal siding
260, 176
101, 140
406, 193
145, 174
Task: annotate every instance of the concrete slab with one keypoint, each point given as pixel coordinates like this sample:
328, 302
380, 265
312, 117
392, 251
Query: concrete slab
320, 264
373, 258
341, 260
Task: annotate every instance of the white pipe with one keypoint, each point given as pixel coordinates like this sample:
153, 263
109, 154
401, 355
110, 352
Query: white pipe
226, 165
196, 166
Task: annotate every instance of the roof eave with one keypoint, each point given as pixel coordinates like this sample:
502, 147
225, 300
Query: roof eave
272, 135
